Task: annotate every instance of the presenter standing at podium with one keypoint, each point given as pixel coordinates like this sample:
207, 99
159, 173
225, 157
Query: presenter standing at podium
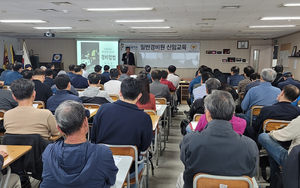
128, 57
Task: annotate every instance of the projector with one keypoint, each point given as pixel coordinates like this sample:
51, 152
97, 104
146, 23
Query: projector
49, 34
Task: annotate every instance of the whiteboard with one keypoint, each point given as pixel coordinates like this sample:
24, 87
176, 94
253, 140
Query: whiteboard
182, 55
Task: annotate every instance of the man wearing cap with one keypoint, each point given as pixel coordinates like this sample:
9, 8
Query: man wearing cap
28, 67
288, 79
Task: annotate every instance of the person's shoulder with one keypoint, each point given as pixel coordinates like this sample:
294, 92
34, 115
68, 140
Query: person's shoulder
151, 96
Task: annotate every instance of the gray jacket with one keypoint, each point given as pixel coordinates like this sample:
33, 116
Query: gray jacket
95, 92
122, 77
160, 90
217, 150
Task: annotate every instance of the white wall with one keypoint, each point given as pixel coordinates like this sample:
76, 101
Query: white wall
8, 41
47, 47
294, 39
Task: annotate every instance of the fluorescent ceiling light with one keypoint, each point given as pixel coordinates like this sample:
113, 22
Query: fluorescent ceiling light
53, 28
260, 30
280, 18
163, 35
120, 9
138, 21
291, 4
22, 21
164, 27
267, 26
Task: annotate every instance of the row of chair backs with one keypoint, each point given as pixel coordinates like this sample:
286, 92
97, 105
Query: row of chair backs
161, 100
91, 105
212, 181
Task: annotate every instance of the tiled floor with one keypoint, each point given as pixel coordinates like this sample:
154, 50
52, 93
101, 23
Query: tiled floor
170, 166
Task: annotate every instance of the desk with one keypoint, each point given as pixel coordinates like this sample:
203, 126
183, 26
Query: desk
154, 119
14, 153
1, 118
160, 109
93, 112
54, 138
123, 163
255, 185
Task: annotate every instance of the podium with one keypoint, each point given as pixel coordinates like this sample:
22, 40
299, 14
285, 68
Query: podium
131, 69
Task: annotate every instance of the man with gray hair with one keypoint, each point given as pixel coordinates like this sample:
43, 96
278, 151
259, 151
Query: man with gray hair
263, 94
76, 162
218, 149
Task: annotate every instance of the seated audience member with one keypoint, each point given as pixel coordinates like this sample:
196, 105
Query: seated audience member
28, 67
197, 80
15, 74
85, 74
7, 102
283, 110
172, 77
25, 119
220, 76
288, 79
43, 92
113, 85
255, 81
4, 73
243, 83
52, 67
124, 70
198, 105
147, 100
235, 78
83, 163
238, 124
163, 80
211, 150
71, 72
279, 77
72, 90
106, 72
158, 89
93, 94
43, 68
78, 81
271, 142
200, 92
264, 94
49, 78
14, 179
63, 93
98, 70
135, 126
27, 74
148, 70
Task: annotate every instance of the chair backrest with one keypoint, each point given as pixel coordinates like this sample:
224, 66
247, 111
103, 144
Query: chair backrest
101, 86
2, 112
150, 112
255, 111
114, 97
241, 96
197, 117
273, 124
40, 104
212, 181
298, 103
161, 100
127, 150
90, 105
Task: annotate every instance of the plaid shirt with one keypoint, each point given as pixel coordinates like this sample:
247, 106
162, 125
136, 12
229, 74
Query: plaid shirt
169, 84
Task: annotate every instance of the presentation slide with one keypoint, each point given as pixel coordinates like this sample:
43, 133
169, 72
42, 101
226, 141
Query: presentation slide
93, 53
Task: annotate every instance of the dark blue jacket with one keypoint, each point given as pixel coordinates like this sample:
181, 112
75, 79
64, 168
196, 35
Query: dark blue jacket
121, 123
235, 79
3, 74
78, 165
79, 81
11, 76
71, 74
59, 97
106, 74
287, 82
49, 82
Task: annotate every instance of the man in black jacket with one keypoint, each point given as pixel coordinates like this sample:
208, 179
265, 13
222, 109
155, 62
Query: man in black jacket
128, 57
43, 92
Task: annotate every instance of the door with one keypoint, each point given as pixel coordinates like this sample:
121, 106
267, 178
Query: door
261, 57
